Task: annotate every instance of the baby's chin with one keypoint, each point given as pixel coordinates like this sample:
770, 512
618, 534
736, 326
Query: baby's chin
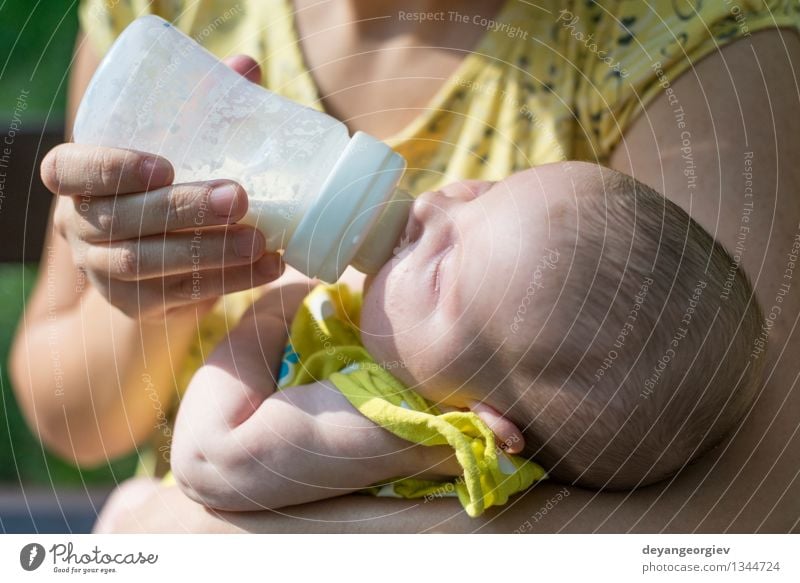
376, 331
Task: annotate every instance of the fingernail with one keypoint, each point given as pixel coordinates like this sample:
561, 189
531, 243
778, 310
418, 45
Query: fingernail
248, 243
270, 266
224, 200
156, 171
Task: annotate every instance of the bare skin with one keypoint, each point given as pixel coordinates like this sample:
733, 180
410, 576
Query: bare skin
104, 295
747, 485
242, 445
375, 72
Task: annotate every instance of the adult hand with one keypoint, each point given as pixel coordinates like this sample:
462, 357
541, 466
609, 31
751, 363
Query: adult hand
150, 246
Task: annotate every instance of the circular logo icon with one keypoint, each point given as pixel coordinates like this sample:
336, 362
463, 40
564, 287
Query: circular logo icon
31, 556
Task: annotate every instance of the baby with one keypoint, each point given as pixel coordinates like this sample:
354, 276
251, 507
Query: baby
576, 314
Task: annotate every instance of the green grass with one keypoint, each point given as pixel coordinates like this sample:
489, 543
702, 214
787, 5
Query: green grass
22, 458
36, 42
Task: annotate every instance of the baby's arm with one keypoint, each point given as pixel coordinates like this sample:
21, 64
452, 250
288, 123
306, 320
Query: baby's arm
239, 445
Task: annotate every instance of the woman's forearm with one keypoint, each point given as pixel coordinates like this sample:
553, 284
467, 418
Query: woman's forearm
93, 382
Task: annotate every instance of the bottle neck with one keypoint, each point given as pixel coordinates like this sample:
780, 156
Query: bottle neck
381, 241
351, 217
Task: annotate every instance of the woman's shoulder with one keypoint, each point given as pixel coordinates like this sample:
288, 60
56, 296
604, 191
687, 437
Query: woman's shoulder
679, 33
630, 55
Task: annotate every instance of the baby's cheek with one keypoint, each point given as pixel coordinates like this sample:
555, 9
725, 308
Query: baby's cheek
379, 320
374, 324
396, 330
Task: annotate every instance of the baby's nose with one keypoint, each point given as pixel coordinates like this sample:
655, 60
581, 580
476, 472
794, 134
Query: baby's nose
431, 205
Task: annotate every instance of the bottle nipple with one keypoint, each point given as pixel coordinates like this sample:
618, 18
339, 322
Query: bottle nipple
381, 241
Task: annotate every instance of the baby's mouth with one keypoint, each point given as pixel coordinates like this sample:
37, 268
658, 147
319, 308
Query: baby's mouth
402, 242
404, 246
409, 236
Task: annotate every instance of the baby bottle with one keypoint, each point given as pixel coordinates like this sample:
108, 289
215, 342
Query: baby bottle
324, 199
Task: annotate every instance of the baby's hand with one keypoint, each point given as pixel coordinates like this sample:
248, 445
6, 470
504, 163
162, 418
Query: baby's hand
506, 435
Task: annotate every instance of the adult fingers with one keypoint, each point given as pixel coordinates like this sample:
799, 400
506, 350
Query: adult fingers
180, 206
246, 66
80, 169
178, 253
156, 297
212, 283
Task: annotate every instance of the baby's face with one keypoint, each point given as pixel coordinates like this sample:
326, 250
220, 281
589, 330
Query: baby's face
473, 263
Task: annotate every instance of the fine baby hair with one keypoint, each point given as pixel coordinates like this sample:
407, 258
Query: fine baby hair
646, 359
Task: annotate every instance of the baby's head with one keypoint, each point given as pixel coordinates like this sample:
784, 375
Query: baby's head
582, 306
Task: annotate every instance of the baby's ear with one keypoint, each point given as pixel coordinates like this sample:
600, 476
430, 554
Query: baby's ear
507, 435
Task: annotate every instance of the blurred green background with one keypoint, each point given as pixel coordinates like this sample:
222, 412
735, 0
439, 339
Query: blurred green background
36, 39
36, 42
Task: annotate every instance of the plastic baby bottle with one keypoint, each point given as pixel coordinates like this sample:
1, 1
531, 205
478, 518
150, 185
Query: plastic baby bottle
323, 198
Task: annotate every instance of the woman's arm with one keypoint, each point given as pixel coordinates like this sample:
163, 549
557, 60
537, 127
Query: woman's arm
749, 483
81, 368
741, 110
116, 303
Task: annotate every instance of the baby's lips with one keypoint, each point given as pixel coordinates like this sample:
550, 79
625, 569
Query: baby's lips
401, 251
407, 236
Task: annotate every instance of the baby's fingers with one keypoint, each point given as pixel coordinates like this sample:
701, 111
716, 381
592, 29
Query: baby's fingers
79, 169
507, 435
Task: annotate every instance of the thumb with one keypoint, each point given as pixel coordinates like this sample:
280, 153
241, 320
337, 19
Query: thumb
246, 66
507, 435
